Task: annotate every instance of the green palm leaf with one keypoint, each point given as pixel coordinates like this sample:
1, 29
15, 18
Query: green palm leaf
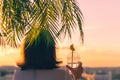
23, 17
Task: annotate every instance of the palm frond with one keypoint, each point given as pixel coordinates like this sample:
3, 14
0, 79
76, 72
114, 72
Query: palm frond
23, 17
15, 20
71, 18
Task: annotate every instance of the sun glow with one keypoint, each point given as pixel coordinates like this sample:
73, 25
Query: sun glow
101, 37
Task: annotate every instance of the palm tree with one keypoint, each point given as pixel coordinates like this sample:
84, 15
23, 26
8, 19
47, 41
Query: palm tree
23, 17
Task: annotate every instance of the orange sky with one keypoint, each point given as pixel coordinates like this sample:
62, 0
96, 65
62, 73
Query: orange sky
89, 57
101, 30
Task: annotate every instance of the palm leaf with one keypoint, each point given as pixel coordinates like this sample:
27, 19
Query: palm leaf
23, 17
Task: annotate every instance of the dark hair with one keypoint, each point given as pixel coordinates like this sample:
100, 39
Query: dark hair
41, 54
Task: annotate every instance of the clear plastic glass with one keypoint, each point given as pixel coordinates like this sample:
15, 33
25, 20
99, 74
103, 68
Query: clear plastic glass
73, 58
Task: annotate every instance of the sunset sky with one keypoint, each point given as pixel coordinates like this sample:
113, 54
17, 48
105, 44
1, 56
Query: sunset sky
101, 36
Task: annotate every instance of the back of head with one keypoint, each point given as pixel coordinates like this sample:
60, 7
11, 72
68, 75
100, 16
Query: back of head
41, 53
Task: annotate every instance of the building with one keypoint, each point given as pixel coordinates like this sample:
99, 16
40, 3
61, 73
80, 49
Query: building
103, 75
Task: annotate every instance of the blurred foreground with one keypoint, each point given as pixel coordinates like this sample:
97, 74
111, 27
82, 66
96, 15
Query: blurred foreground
100, 73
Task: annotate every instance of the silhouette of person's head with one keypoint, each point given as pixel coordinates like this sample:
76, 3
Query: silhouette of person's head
40, 54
